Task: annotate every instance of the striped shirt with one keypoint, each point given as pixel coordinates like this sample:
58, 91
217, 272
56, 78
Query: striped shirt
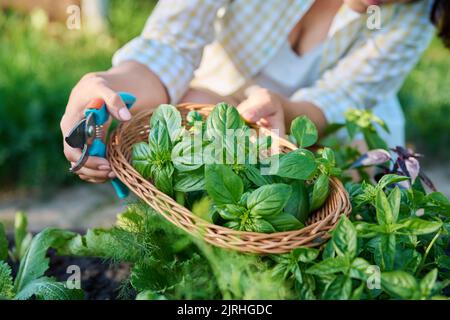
221, 44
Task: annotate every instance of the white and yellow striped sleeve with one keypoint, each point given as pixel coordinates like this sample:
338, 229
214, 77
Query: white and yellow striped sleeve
375, 69
172, 42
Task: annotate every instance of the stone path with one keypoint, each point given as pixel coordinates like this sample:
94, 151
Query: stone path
89, 205
78, 207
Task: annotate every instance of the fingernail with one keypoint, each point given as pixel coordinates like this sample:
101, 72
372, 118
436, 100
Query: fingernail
124, 114
111, 175
104, 167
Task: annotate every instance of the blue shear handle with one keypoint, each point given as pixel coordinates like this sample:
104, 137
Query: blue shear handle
98, 147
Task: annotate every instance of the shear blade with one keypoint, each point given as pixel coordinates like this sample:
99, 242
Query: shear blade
77, 136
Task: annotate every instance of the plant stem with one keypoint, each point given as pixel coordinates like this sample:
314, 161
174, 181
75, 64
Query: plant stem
427, 251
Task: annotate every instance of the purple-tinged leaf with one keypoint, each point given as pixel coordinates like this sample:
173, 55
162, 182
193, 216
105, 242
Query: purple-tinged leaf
372, 158
406, 153
413, 167
427, 181
402, 166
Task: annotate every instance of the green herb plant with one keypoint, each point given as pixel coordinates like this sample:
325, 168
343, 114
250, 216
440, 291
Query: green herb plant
30, 281
211, 159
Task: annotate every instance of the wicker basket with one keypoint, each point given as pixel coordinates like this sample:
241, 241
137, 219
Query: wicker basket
314, 234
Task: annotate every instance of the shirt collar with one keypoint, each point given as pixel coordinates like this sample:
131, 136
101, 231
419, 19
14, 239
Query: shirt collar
344, 17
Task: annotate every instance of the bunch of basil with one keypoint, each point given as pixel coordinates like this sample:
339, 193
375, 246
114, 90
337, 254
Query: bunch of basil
213, 175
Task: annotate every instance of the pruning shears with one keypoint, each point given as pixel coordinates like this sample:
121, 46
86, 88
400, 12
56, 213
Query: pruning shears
88, 135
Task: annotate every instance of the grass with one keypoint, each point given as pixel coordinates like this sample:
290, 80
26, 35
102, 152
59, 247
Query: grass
40, 62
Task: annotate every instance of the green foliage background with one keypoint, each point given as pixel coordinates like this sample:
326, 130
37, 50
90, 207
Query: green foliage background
40, 62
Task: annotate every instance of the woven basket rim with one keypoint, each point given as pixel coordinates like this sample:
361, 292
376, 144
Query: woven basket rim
185, 219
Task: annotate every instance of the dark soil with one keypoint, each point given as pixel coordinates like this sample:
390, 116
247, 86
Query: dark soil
100, 279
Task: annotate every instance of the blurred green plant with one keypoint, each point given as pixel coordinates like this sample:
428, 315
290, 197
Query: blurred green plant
425, 98
40, 62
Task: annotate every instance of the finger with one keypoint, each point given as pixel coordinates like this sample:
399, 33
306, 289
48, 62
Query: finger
114, 104
277, 125
263, 123
71, 154
96, 163
252, 112
92, 180
101, 174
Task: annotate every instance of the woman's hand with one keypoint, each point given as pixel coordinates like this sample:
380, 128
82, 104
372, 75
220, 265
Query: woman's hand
89, 88
131, 77
264, 108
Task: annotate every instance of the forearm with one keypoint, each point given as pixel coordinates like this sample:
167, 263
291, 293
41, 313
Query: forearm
139, 80
293, 109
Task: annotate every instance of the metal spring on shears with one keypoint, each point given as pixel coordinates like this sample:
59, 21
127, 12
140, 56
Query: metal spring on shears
99, 132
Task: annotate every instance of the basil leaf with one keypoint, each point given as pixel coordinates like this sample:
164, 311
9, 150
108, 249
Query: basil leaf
159, 141
222, 118
142, 157
170, 117
394, 201
330, 266
306, 288
163, 178
399, 284
298, 203
367, 230
285, 222
304, 131
231, 212
338, 289
383, 208
428, 282
359, 268
269, 199
232, 225
262, 226
193, 116
345, 238
419, 226
373, 140
222, 184
192, 181
187, 155
305, 255
254, 175
320, 192
385, 251
329, 251
357, 293
407, 260
352, 129
390, 179
299, 164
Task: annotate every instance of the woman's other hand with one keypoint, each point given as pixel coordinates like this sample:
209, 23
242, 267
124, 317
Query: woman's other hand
264, 108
